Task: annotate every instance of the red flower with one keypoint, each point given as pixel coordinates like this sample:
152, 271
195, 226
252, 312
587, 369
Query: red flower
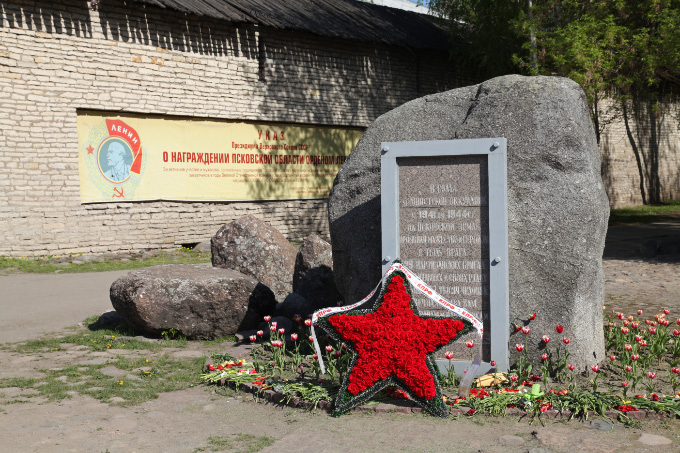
634, 357
470, 343
470, 412
619, 315
260, 333
311, 338
308, 322
655, 397
545, 339
329, 348
571, 367
315, 357
449, 355
544, 356
628, 347
651, 375
526, 330
624, 330
272, 328
519, 347
675, 370
629, 368
267, 318
624, 384
532, 317
642, 343
514, 378
666, 311
253, 338
595, 368
337, 353
559, 329
492, 363
638, 338
518, 328
211, 368
394, 341
612, 358
676, 332
294, 336
626, 408
635, 325
626, 322
282, 331
566, 341
652, 330
639, 312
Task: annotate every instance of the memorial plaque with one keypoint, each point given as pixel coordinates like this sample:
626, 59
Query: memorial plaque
444, 235
444, 214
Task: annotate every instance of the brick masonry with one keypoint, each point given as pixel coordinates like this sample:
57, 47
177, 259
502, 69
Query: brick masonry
58, 57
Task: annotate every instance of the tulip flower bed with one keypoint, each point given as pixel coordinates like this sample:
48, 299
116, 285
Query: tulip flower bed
641, 375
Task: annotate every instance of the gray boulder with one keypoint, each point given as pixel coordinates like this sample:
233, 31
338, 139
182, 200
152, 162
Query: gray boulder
313, 276
295, 304
252, 247
197, 301
557, 205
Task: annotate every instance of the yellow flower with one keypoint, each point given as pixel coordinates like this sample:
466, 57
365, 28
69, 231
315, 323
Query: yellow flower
147, 360
120, 383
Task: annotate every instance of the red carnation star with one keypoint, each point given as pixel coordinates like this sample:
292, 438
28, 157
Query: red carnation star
393, 340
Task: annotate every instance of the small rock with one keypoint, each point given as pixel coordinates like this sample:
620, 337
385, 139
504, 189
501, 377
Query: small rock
203, 246
653, 440
116, 400
113, 371
511, 441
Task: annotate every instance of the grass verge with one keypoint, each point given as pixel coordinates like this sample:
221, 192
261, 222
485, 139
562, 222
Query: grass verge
241, 443
78, 264
645, 213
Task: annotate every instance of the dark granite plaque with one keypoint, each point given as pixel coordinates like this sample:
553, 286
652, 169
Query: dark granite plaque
444, 236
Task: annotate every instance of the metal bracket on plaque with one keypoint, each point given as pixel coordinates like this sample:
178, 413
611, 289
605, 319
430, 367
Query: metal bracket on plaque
489, 155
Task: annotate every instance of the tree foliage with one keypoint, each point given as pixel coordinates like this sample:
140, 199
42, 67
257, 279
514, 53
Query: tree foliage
624, 51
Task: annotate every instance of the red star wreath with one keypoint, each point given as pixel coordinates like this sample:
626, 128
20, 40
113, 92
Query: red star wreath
392, 347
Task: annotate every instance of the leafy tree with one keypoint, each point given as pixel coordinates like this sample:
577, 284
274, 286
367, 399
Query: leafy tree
624, 53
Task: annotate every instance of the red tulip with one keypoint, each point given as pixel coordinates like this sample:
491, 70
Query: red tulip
518, 328
492, 363
260, 333
619, 315
635, 325
651, 375
282, 331
470, 343
253, 338
629, 368
274, 323
642, 343
652, 330
624, 330
610, 325
308, 322
624, 384
315, 357
329, 348
311, 338
559, 329
294, 336
612, 358
628, 347
571, 367
267, 318
544, 356
545, 339
639, 312
272, 328
638, 337
519, 347
595, 368
566, 340
449, 355
666, 311
514, 378
532, 317
526, 330
625, 323
676, 332
634, 357
337, 353
211, 368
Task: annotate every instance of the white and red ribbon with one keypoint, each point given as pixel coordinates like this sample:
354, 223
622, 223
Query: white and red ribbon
417, 283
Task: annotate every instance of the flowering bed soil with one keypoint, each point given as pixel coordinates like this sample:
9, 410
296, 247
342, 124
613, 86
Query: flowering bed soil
639, 379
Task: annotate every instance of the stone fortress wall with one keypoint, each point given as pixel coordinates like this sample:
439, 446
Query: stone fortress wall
60, 57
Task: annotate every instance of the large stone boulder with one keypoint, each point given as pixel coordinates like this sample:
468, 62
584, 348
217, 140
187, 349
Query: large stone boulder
197, 301
557, 205
313, 276
253, 247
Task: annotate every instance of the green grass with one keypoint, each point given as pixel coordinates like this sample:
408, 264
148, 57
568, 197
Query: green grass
135, 387
51, 264
645, 213
241, 443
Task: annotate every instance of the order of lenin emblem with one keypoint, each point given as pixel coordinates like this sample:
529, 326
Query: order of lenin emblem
114, 159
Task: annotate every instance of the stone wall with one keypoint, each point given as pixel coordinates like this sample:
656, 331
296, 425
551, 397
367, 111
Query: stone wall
657, 136
58, 57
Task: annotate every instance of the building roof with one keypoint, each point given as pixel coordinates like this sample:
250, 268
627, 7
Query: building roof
347, 19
